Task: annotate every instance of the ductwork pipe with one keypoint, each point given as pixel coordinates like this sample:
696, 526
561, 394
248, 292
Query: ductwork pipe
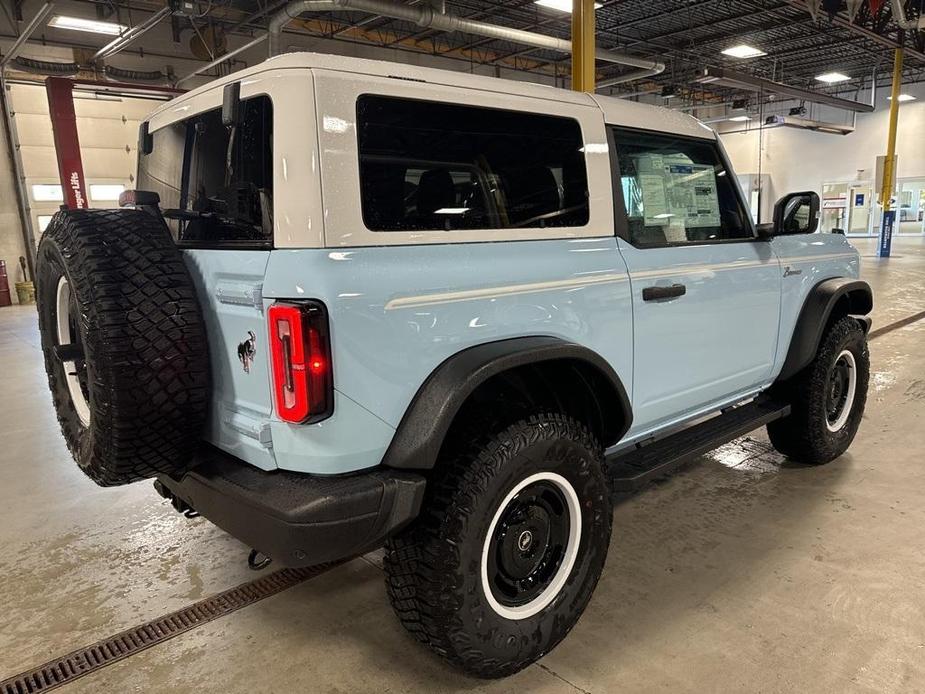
425, 17
899, 14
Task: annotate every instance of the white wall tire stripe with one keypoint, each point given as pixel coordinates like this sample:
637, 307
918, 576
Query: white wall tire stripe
62, 316
568, 562
842, 418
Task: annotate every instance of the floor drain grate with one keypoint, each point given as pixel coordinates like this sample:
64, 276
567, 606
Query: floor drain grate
89, 659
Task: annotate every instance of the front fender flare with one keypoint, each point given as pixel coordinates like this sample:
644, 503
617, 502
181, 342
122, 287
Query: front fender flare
814, 317
427, 420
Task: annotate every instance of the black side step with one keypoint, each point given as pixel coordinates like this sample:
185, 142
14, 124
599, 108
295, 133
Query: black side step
632, 469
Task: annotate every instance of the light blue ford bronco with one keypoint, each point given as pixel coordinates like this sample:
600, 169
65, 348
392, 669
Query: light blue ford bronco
355, 304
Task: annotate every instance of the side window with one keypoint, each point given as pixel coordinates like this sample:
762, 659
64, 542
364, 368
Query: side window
215, 182
677, 191
427, 166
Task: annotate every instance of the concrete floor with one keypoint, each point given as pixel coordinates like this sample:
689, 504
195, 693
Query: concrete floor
740, 573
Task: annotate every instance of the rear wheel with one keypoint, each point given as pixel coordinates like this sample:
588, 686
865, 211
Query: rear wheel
827, 398
508, 547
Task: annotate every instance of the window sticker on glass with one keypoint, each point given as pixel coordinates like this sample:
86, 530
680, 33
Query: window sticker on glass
677, 191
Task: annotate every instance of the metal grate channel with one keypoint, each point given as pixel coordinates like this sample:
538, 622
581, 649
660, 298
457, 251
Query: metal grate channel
91, 658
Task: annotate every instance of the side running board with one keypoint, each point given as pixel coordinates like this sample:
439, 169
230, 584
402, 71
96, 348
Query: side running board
631, 469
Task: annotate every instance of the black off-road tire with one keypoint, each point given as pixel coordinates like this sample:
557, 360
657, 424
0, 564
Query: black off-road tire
804, 435
145, 366
433, 569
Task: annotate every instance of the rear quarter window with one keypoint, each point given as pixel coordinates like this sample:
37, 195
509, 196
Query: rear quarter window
429, 166
215, 181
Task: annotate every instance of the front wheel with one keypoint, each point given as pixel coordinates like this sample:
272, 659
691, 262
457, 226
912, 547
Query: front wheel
508, 548
827, 398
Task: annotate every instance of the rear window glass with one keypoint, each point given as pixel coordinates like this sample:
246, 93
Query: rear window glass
215, 181
427, 166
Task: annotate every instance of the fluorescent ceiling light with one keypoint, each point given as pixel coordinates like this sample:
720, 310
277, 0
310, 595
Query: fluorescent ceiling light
739, 119
903, 97
832, 77
743, 51
452, 210
94, 26
561, 5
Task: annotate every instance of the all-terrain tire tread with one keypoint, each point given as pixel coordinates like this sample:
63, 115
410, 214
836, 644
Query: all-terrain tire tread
145, 334
420, 563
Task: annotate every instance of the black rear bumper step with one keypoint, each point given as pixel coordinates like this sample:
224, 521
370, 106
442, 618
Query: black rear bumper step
299, 519
630, 470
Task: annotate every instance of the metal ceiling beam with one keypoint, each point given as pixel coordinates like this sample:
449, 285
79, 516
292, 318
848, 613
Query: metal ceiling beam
883, 40
26, 34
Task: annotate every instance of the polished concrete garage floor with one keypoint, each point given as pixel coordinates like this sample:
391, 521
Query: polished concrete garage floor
743, 572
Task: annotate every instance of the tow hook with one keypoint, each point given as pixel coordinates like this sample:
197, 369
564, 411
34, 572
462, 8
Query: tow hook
256, 561
178, 504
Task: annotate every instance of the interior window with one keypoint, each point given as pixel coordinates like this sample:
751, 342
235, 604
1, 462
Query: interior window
439, 167
677, 190
215, 181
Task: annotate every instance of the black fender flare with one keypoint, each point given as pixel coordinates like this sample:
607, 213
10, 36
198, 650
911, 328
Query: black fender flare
427, 420
814, 317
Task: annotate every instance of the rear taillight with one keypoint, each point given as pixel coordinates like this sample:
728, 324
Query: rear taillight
300, 351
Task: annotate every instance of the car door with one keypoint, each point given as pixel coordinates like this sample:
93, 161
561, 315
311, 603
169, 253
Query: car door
705, 289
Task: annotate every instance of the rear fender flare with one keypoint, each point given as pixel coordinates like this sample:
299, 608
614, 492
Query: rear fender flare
427, 420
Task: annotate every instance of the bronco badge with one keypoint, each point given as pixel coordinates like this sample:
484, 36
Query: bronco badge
247, 350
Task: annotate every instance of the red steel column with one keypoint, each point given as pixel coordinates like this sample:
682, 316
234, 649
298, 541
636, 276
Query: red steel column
67, 147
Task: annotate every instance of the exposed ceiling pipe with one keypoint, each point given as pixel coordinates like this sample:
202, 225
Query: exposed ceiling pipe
899, 14
222, 58
33, 24
121, 42
427, 17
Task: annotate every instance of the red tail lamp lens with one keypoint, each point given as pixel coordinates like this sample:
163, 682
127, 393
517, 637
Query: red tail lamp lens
300, 352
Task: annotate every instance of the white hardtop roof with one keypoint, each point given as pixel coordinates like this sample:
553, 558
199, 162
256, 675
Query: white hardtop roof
616, 111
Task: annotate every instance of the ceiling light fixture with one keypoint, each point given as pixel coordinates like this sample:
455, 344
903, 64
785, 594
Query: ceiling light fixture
832, 77
60, 21
743, 51
561, 5
903, 97
739, 119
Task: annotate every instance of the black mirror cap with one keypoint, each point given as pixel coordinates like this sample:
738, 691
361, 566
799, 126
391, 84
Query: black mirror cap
145, 139
785, 211
765, 231
231, 104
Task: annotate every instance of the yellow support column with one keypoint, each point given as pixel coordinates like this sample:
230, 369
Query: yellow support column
583, 47
889, 162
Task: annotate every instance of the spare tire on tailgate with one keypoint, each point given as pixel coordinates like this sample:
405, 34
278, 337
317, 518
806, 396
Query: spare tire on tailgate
124, 343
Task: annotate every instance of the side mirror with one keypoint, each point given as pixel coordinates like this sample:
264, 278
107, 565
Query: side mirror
231, 104
796, 213
145, 139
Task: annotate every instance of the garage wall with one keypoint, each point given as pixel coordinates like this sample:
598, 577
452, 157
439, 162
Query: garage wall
107, 128
11, 242
803, 160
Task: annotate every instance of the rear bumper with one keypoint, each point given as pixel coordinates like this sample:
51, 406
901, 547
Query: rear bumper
298, 519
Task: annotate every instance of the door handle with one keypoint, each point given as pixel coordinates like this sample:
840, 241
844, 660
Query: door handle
657, 293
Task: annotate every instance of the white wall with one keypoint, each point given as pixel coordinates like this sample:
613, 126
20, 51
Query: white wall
803, 159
